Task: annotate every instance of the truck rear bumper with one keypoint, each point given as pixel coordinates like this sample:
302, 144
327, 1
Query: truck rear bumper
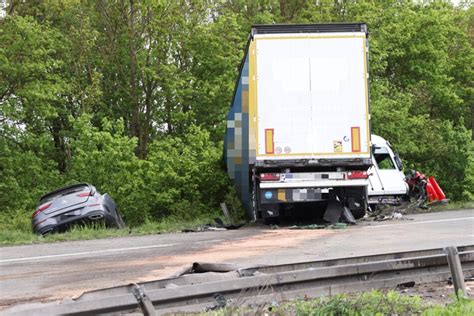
315, 184
272, 196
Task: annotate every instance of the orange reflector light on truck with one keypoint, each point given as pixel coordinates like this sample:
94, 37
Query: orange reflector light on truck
269, 141
355, 138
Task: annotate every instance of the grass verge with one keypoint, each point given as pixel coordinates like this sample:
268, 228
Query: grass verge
369, 303
21, 234
454, 206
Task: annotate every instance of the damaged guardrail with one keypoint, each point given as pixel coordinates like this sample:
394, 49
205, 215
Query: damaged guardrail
258, 285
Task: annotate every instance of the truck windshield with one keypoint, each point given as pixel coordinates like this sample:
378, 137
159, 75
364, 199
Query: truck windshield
383, 159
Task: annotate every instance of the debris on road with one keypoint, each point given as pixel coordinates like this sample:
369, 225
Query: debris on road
392, 212
309, 226
203, 228
435, 292
317, 226
380, 217
221, 302
338, 226
219, 226
405, 285
347, 216
397, 215
203, 267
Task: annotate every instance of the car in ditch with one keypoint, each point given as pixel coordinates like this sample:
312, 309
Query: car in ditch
79, 203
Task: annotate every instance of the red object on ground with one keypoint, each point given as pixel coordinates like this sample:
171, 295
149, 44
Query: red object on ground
424, 188
431, 192
440, 194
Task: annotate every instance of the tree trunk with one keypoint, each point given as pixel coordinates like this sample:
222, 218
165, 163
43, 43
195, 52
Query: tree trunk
135, 129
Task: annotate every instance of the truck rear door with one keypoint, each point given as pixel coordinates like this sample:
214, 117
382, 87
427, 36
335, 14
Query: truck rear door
311, 96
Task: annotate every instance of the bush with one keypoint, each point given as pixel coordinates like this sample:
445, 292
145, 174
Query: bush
106, 159
180, 177
26, 173
435, 147
185, 175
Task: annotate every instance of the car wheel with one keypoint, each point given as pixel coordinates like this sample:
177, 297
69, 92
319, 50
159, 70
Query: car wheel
47, 232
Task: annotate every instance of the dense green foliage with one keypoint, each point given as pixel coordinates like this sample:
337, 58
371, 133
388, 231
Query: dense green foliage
132, 95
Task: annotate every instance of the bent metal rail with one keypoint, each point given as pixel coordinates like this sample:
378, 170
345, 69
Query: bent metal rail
257, 285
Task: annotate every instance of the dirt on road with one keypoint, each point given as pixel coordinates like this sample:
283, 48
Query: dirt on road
163, 266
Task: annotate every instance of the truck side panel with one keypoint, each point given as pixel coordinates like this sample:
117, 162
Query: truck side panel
237, 152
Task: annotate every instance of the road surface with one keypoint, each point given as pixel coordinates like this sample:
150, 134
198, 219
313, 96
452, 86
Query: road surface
46, 272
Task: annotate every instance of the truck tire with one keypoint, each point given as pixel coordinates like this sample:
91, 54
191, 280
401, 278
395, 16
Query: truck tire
271, 220
358, 213
356, 201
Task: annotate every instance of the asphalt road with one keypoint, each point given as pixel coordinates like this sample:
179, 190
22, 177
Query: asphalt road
46, 272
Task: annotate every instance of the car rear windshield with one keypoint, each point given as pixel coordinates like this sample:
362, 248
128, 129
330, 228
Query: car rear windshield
63, 192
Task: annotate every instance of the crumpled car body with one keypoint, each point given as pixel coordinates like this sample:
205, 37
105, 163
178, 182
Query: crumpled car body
79, 203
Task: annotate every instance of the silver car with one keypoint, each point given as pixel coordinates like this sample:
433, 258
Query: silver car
74, 204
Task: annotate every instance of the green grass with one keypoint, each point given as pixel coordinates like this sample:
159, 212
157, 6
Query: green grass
454, 206
369, 303
16, 230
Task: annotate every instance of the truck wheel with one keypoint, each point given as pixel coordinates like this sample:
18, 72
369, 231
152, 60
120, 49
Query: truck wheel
356, 201
270, 213
271, 220
358, 213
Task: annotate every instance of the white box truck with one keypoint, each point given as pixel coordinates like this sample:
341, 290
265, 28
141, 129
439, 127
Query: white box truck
298, 129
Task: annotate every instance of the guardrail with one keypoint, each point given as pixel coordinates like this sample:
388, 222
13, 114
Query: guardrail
263, 284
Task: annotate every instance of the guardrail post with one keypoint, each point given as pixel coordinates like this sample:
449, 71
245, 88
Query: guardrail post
143, 301
456, 269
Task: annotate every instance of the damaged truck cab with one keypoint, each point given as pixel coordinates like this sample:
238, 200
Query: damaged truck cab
298, 129
387, 183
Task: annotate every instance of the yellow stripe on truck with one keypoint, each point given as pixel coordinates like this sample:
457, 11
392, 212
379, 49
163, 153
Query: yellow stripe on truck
252, 103
355, 137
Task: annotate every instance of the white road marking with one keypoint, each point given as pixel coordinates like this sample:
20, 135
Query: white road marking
208, 241
103, 251
425, 222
